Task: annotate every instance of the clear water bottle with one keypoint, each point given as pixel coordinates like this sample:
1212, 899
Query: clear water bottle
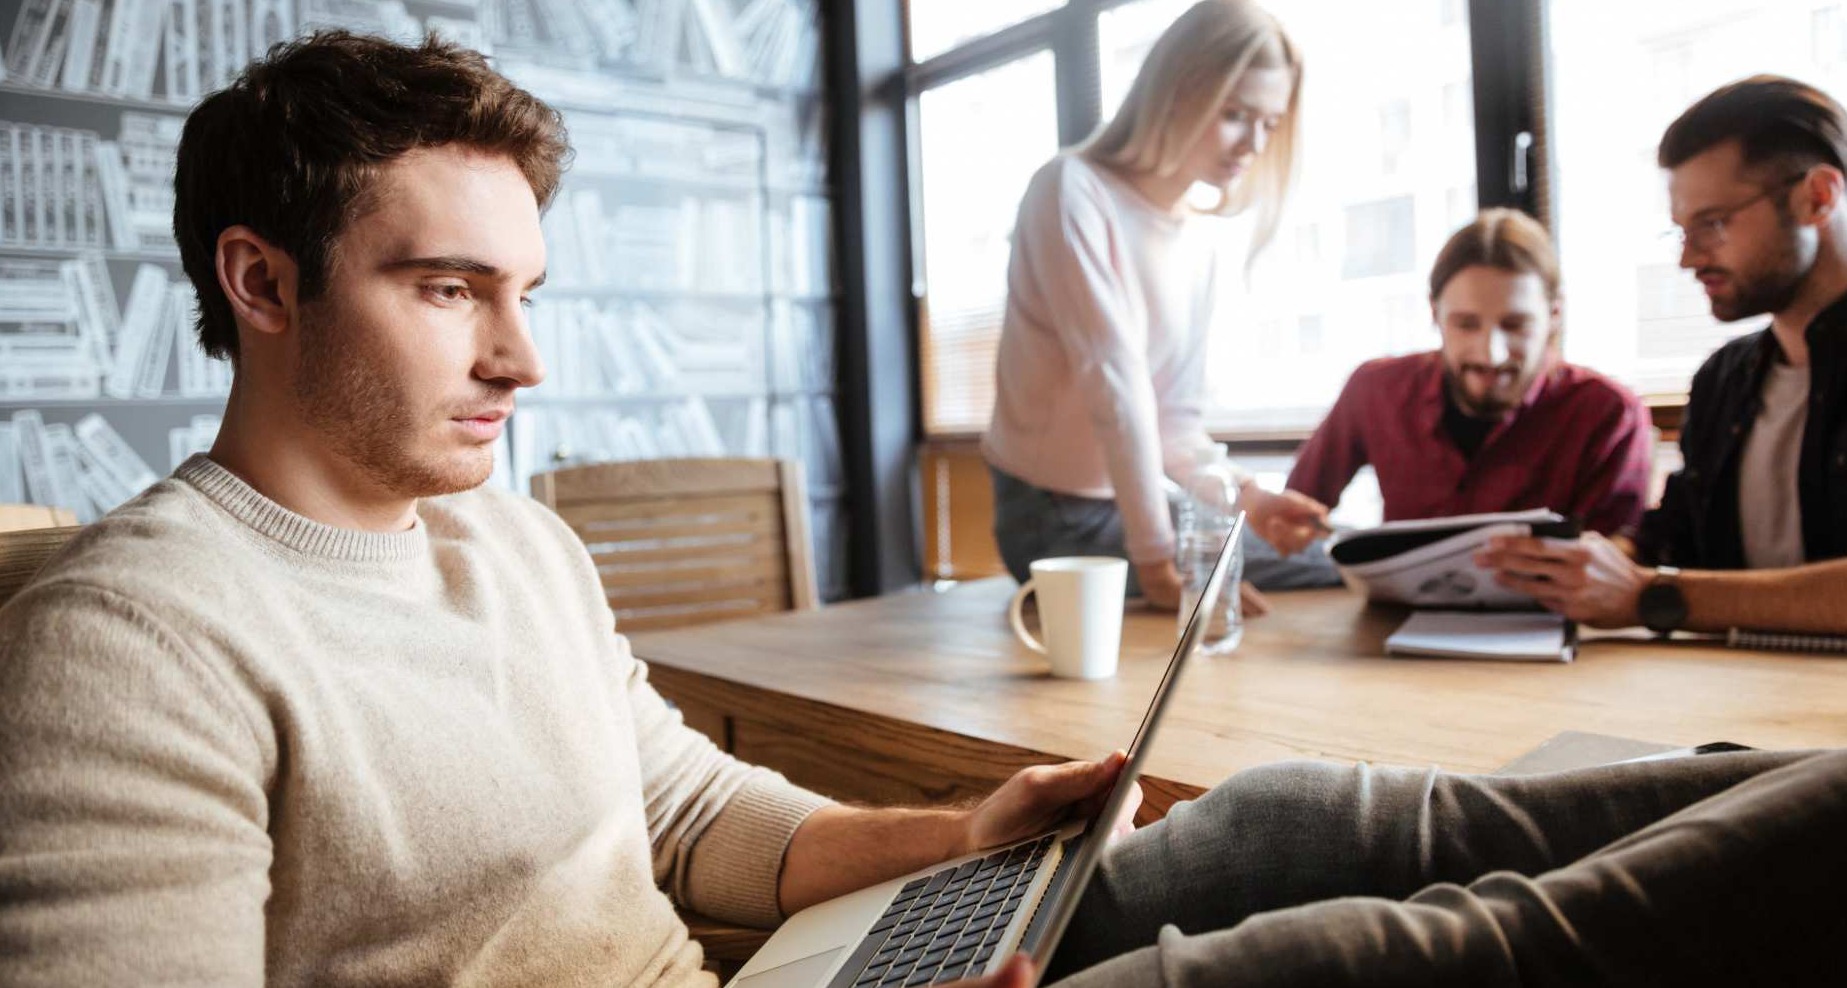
1205, 515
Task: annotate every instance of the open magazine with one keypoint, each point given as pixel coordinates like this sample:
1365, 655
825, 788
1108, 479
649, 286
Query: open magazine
1430, 562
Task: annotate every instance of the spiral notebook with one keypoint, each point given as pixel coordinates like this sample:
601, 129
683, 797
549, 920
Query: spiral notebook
1785, 642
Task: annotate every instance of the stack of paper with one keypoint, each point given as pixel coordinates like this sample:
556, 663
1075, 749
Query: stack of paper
1515, 636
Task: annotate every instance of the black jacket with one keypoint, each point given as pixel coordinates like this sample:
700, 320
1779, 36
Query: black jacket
1697, 524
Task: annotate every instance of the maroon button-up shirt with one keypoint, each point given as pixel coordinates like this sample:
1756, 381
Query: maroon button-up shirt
1579, 444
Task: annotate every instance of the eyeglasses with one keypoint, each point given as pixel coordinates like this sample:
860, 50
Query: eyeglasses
1708, 233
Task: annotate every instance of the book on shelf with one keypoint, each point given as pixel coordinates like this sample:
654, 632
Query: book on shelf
61, 459
80, 56
660, 24
644, 333
176, 50
50, 473
34, 290
98, 318
127, 471
132, 62
196, 436
43, 352
718, 37
68, 188
149, 145
147, 306
12, 483
48, 193
65, 338
31, 38
613, 25
755, 440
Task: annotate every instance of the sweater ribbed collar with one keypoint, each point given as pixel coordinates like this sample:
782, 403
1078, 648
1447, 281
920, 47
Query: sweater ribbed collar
298, 532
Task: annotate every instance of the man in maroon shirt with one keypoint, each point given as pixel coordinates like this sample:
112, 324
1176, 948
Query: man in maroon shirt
1495, 420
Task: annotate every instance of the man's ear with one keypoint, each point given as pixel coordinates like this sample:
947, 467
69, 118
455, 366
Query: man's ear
259, 279
1823, 185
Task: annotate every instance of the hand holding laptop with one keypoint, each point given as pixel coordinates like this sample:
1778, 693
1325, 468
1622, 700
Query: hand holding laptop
1045, 797
968, 913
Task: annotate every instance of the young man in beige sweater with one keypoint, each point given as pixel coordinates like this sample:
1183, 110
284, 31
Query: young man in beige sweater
320, 710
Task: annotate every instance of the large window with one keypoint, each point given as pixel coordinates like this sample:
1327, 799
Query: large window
981, 139
1388, 169
1622, 73
939, 25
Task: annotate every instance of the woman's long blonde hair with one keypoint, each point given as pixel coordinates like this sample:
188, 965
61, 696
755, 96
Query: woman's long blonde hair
1188, 75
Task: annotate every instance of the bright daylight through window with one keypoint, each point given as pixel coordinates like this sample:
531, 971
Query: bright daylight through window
1387, 171
1621, 73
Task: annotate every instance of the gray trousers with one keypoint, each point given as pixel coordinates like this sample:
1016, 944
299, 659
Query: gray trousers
1034, 523
1724, 868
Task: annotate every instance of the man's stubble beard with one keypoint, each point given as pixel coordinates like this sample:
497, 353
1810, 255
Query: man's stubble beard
1770, 286
365, 421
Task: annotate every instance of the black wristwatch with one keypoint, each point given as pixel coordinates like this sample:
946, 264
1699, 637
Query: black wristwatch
1662, 607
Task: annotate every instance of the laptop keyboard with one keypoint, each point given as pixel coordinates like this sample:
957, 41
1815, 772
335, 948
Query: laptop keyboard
946, 924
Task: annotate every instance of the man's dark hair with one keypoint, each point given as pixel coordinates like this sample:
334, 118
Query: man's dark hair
293, 147
1776, 121
1498, 238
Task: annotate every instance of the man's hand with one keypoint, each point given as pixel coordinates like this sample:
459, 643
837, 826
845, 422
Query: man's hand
1590, 580
1288, 521
841, 849
1016, 973
1043, 797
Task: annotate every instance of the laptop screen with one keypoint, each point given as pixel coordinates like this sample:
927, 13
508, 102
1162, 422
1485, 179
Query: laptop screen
1063, 899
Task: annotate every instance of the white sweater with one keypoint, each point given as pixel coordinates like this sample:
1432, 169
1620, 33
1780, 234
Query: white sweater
239, 747
1101, 370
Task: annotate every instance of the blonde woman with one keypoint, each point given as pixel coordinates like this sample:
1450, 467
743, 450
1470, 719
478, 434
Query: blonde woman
1101, 369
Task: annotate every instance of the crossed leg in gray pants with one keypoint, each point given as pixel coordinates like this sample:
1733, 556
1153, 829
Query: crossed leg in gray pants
1725, 868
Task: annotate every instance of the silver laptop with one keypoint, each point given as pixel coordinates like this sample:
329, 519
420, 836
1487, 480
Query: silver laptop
965, 917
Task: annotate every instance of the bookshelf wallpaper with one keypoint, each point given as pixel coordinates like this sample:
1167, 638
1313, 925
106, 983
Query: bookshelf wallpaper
690, 304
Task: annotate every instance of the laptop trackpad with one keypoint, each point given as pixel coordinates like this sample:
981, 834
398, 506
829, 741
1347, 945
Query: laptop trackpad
805, 973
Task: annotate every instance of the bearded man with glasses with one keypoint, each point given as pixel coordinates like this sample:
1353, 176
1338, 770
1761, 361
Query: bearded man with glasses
1752, 531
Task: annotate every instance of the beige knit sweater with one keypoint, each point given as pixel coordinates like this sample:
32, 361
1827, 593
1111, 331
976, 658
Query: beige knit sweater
239, 747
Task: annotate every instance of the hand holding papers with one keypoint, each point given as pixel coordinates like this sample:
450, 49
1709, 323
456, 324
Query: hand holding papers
1429, 563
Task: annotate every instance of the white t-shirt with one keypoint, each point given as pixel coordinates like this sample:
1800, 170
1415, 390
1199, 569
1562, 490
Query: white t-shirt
1769, 507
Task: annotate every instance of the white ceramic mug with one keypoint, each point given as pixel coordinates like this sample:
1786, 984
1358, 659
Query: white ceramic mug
1080, 612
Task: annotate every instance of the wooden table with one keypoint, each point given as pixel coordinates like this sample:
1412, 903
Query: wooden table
926, 697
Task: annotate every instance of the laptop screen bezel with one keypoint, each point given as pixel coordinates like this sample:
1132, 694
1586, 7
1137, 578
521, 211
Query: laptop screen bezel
1096, 831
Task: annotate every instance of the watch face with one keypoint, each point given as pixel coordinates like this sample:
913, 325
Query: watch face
1662, 607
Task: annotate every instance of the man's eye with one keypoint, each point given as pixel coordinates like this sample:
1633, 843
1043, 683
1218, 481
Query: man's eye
449, 292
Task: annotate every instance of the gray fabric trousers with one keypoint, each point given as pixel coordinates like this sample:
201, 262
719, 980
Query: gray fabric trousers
1724, 868
1034, 523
